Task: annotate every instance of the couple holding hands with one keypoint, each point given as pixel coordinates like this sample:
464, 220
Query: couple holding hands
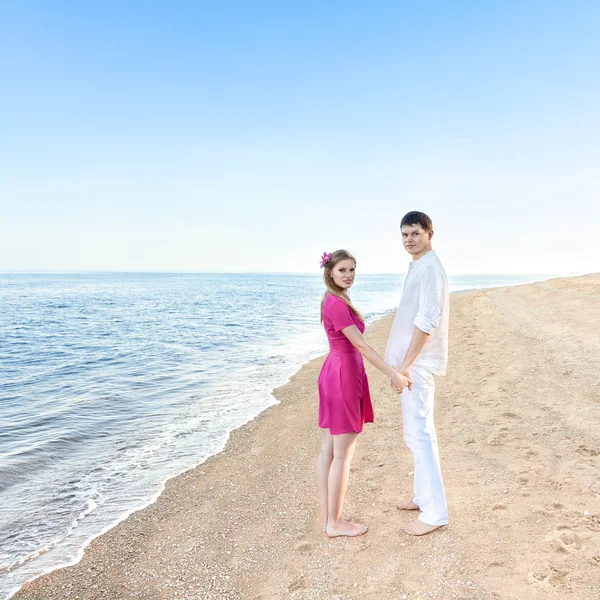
417, 350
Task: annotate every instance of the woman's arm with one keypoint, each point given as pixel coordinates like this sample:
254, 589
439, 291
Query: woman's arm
358, 341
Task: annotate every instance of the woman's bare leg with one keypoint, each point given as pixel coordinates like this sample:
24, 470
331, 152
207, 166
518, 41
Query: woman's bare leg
339, 473
323, 465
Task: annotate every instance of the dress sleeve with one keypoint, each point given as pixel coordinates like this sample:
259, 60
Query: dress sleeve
340, 314
431, 301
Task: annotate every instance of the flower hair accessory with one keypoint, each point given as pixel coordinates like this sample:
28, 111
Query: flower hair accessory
325, 259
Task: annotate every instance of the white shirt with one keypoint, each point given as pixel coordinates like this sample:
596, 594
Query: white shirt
426, 304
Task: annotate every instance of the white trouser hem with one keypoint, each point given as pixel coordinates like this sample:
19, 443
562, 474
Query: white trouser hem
438, 523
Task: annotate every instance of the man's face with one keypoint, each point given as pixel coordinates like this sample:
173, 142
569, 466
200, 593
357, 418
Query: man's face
416, 240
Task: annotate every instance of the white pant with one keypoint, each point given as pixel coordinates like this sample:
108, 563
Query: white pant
421, 438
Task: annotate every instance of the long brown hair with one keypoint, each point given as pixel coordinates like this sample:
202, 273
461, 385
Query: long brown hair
331, 287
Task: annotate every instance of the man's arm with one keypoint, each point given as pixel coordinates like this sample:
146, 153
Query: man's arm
417, 343
431, 304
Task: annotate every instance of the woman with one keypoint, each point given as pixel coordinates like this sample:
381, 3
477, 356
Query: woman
344, 399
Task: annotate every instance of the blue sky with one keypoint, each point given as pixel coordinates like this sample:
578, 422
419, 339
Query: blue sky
252, 136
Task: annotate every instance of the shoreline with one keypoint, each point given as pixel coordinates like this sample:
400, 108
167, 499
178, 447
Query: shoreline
294, 371
237, 438
283, 381
223, 447
81, 552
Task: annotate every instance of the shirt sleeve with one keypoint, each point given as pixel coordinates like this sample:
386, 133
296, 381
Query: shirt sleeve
340, 314
431, 300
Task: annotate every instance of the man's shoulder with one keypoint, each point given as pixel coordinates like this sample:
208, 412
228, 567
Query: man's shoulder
434, 261
431, 262
433, 270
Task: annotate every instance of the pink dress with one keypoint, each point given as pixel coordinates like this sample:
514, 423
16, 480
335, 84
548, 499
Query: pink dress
344, 399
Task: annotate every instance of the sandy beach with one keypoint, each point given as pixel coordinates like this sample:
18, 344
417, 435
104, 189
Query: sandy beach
518, 420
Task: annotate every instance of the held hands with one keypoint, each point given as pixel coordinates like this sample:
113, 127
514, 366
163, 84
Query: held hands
400, 381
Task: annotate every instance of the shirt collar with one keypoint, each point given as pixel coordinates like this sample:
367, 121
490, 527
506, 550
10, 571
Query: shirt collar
425, 258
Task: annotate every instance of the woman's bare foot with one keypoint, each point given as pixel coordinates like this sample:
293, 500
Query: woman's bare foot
346, 528
419, 528
347, 519
408, 505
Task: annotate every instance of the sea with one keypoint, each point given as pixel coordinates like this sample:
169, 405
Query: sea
112, 383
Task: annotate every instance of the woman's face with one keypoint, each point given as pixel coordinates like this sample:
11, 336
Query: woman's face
343, 273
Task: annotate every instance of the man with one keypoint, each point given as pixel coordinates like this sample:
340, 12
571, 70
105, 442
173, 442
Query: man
418, 348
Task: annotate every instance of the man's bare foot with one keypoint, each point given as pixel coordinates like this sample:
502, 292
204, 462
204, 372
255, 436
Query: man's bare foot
419, 528
408, 505
346, 528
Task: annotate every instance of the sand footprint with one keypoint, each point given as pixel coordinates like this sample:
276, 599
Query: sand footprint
498, 439
510, 415
571, 539
553, 510
552, 575
592, 522
541, 575
595, 487
298, 583
303, 548
340, 590
567, 542
523, 481
529, 454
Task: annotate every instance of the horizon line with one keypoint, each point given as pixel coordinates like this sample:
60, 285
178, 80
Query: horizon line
150, 272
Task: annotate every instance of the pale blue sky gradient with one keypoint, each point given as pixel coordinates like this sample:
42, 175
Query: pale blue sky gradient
252, 136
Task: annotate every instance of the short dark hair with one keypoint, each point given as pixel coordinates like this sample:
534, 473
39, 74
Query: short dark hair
414, 217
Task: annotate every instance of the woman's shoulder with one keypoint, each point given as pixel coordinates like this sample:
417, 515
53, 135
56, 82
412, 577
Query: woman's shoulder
329, 298
333, 301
